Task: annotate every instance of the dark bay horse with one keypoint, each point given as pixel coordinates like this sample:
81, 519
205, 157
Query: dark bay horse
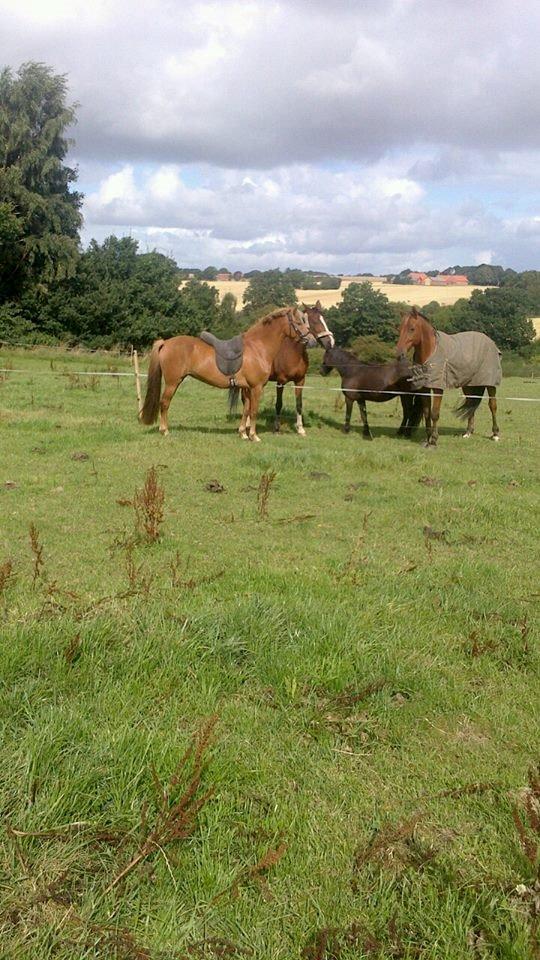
180, 357
376, 382
469, 360
291, 363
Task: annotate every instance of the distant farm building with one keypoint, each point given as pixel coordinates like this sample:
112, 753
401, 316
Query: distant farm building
223, 276
449, 280
421, 278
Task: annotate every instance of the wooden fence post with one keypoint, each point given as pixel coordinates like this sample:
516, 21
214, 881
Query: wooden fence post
137, 379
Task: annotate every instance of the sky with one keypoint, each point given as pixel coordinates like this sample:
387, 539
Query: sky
347, 136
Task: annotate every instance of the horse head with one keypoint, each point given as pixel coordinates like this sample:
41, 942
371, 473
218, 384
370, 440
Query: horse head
299, 327
328, 362
317, 325
410, 332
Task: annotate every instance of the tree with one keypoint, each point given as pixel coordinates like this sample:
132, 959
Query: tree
363, 311
39, 213
269, 289
209, 273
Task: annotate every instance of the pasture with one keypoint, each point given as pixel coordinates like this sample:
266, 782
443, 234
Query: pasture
402, 293
356, 623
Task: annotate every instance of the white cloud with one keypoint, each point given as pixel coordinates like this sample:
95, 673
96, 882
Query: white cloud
403, 129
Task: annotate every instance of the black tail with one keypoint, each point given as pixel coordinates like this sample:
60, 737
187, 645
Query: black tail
417, 410
234, 394
470, 404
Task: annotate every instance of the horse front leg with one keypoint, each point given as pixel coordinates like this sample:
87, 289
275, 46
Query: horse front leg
298, 391
255, 398
366, 433
492, 402
435, 413
279, 405
426, 413
245, 421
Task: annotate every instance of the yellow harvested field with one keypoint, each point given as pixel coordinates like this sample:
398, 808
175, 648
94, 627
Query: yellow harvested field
413, 295
536, 325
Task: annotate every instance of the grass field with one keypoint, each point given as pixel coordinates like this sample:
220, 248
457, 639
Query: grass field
413, 295
365, 640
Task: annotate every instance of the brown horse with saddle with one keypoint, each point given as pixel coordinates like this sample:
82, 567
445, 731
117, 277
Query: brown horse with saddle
243, 363
470, 360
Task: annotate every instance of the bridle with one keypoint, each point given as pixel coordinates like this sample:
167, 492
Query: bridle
303, 337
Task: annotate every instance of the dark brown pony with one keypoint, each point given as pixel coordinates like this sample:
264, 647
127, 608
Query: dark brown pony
375, 382
416, 332
182, 357
292, 362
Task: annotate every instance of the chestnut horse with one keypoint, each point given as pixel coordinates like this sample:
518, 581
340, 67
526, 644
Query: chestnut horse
469, 360
181, 357
292, 363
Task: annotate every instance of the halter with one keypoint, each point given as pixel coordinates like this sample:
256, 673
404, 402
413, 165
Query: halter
328, 333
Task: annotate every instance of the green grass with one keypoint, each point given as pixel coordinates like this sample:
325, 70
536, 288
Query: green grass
272, 625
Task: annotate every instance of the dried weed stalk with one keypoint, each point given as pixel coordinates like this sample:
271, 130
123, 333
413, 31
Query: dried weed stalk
37, 553
148, 506
7, 577
178, 565
263, 493
255, 872
139, 582
179, 803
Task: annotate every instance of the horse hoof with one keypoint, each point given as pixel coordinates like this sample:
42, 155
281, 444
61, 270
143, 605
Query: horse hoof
495, 437
467, 435
301, 432
164, 433
243, 436
255, 438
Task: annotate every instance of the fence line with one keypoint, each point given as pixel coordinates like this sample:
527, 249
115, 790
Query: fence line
319, 389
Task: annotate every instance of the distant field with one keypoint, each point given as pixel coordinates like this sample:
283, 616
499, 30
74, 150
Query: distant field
330, 298
368, 646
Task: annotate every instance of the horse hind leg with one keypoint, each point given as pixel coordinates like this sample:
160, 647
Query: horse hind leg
298, 391
366, 433
245, 422
492, 402
164, 405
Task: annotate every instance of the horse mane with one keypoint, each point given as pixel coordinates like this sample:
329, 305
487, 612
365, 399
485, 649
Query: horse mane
275, 313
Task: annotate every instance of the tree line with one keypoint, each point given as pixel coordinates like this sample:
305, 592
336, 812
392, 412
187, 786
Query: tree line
111, 294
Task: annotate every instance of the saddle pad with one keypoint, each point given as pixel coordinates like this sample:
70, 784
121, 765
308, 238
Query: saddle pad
469, 359
229, 353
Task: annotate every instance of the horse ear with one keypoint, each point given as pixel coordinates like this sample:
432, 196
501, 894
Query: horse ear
318, 305
414, 312
304, 308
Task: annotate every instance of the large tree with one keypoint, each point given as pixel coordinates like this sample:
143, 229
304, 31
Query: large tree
363, 311
269, 289
39, 212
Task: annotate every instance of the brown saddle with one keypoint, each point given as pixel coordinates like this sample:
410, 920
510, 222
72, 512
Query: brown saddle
229, 353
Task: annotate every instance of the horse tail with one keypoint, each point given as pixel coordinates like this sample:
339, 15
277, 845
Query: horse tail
470, 404
150, 406
233, 397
